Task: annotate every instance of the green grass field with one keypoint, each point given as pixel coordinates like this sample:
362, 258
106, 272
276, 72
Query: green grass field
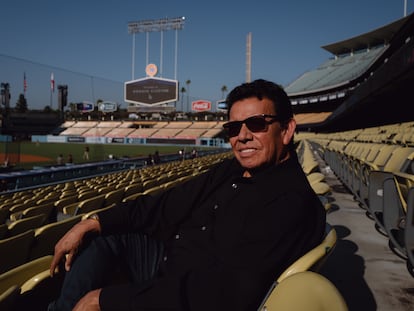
23, 154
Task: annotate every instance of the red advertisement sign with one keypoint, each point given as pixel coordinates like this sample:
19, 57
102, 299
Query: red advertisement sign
201, 105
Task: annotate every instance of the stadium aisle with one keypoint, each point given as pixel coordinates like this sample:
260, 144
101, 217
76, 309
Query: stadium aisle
368, 274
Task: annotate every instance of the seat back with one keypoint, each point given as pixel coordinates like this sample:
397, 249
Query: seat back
9, 297
22, 273
15, 250
24, 224
4, 214
313, 259
306, 290
90, 204
48, 235
397, 159
409, 232
4, 229
114, 196
133, 189
47, 209
382, 156
61, 203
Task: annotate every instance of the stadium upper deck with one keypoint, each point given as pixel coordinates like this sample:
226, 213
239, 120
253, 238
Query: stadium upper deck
366, 83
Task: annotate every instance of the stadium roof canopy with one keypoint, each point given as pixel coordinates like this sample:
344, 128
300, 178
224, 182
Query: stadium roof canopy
373, 38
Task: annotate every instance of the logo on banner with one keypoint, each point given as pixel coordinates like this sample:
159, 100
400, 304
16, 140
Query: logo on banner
107, 106
201, 105
85, 106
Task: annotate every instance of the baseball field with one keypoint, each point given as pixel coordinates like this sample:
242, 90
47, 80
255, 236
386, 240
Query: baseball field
29, 154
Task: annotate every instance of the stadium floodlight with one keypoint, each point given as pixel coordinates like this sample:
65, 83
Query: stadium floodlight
162, 24
150, 25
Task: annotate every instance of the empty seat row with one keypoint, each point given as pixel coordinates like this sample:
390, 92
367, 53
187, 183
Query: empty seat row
381, 178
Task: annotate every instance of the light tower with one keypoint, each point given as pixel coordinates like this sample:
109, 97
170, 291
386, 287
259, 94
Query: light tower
249, 57
148, 26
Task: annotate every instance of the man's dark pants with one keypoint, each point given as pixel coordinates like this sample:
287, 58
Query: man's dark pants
104, 260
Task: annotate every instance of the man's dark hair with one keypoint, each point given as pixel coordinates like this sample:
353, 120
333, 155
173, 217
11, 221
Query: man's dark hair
263, 89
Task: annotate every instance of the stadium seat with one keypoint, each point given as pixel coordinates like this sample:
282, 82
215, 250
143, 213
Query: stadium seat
34, 293
40, 290
357, 163
133, 189
409, 231
65, 201
20, 274
3, 231
366, 168
377, 177
315, 177
4, 215
150, 184
306, 290
90, 204
18, 207
321, 188
9, 297
47, 236
132, 197
87, 195
395, 197
15, 250
154, 190
22, 225
106, 189
47, 209
114, 196
314, 259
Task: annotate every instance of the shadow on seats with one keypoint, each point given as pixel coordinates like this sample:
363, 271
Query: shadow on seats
345, 269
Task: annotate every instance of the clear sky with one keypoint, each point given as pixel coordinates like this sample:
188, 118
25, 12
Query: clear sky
89, 41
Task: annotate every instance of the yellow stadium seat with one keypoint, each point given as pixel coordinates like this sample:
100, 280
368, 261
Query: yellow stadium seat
306, 290
48, 235
15, 250
9, 297
20, 274
377, 178
3, 231
35, 286
4, 215
90, 204
409, 232
22, 225
114, 196
313, 259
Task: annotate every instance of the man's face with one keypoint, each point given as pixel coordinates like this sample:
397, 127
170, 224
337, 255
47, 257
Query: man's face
256, 149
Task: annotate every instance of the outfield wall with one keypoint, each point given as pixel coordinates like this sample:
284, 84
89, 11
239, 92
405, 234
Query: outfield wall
200, 141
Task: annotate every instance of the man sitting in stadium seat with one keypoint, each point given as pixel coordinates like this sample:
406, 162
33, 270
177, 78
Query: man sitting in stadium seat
216, 242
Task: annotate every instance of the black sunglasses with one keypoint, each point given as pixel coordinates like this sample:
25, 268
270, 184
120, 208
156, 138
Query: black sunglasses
256, 123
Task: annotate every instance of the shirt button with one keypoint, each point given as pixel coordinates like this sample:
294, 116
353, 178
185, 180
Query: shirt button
234, 186
215, 206
165, 258
203, 228
177, 236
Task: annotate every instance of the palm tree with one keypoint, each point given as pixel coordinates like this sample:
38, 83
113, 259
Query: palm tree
182, 90
223, 91
188, 82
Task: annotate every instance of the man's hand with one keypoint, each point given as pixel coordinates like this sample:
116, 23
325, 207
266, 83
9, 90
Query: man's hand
89, 302
70, 243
